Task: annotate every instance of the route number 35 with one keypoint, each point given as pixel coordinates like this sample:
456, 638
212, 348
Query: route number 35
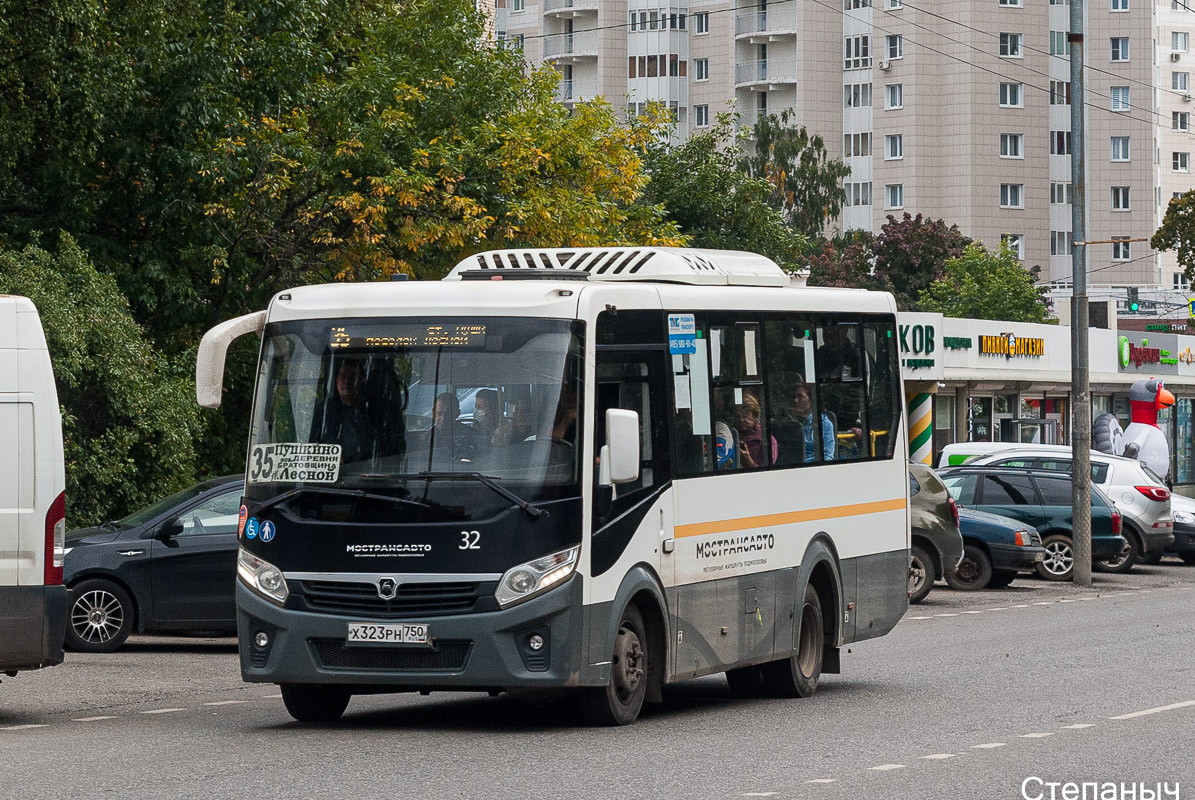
470, 540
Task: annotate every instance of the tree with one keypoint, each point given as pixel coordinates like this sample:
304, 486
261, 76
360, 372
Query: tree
912, 253
805, 181
1177, 232
848, 263
981, 284
713, 202
129, 418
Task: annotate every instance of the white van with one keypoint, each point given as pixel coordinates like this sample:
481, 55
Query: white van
32, 495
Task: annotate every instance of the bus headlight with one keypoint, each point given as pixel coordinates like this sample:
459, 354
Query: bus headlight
528, 580
262, 577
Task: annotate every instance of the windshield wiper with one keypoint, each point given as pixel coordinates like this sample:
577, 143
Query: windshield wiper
356, 494
492, 483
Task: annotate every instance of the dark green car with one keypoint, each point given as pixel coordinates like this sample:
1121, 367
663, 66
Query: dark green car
1041, 499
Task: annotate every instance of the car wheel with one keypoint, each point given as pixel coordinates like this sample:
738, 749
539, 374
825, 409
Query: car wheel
1059, 563
799, 674
921, 574
101, 617
620, 701
974, 570
746, 681
1001, 578
313, 703
1123, 562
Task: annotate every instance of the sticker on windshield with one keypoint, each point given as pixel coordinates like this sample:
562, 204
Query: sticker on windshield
292, 463
251, 528
267, 531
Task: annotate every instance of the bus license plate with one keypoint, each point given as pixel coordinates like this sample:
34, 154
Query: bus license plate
386, 633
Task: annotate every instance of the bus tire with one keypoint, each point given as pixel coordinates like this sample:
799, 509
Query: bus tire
620, 701
799, 674
314, 703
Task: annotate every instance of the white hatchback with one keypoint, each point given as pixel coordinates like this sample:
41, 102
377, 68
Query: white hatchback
1140, 496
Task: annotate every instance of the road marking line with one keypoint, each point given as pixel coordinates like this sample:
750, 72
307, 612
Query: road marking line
226, 702
1086, 599
163, 710
945, 615
1080, 726
1021, 606
886, 767
972, 612
1044, 604
918, 617
1068, 600
22, 727
822, 780
988, 746
1035, 735
271, 697
1157, 710
761, 794
939, 756
91, 719
1001, 608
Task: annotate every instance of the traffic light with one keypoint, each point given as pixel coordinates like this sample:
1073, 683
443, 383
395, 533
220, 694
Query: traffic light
1134, 303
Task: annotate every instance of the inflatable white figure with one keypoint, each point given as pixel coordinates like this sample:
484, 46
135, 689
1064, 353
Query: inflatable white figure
1142, 439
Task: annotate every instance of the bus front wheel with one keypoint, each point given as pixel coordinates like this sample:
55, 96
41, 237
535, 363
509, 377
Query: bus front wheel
311, 703
799, 674
620, 700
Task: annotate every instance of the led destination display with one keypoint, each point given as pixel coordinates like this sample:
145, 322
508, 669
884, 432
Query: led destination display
390, 336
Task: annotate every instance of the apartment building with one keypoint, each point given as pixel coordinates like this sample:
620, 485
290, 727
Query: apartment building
958, 109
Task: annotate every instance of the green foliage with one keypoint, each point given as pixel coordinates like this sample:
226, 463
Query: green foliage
1177, 231
129, 418
981, 284
912, 253
700, 185
804, 179
848, 264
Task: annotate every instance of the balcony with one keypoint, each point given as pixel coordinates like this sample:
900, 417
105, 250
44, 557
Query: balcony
565, 9
571, 46
760, 27
769, 74
575, 91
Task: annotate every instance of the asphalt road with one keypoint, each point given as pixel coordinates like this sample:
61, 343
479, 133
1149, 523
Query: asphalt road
968, 697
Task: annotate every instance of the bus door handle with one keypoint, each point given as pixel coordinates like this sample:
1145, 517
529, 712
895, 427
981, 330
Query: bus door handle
669, 542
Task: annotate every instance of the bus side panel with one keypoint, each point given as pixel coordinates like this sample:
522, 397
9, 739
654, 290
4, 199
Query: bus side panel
883, 592
750, 603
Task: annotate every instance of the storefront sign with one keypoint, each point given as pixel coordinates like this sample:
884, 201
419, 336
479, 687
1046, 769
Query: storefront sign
1010, 345
956, 342
1139, 354
917, 346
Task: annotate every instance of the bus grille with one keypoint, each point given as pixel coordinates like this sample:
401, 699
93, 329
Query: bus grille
411, 599
447, 656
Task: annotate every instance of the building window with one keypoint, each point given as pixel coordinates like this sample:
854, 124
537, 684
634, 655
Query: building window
894, 195
894, 146
1060, 243
1121, 248
517, 5
856, 52
1060, 193
1012, 145
1179, 80
856, 144
1120, 148
1060, 2
895, 46
894, 95
701, 23
701, 69
1178, 5
1120, 98
1060, 93
1060, 143
1180, 120
1179, 41
1015, 243
857, 194
895, 4
1010, 45
1180, 281
1120, 48
1120, 5
1012, 195
701, 116
1120, 198
1180, 162
1059, 46
1012, 95
856, 95
850, 5
1014, 3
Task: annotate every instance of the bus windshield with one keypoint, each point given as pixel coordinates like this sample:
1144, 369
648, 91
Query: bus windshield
400, 406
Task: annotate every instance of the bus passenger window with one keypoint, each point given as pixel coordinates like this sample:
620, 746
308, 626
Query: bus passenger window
792, 395
881, 360
842, 388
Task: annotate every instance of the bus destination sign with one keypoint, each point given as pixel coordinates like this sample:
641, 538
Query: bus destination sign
392, 336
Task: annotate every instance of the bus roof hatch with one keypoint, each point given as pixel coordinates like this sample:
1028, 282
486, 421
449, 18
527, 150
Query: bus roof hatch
662, 264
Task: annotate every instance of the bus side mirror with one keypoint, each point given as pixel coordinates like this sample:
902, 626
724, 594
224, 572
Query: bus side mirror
209, 365
620, 462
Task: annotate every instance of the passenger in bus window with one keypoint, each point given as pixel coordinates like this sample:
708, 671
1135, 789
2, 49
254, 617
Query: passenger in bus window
490, 427
803, 408
449, 434
750, 434
345, 420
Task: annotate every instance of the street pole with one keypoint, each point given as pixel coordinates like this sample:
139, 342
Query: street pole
1080, 379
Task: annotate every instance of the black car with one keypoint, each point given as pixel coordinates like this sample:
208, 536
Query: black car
169, 567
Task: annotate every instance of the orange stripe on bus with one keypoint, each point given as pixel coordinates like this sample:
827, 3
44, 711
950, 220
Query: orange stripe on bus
788, 517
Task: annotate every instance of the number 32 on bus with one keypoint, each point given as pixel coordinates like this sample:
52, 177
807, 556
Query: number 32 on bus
603, 468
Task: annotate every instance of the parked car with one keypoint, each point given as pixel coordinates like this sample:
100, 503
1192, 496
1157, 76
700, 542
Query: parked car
169, 567
1140, 495
1040, 498
1183, 511
995, 549
936, 545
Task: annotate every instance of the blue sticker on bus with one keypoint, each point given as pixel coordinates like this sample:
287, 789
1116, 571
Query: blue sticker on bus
267, 531
251, 528
682, 334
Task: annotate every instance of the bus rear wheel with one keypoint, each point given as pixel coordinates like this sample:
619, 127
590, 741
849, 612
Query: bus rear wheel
620, 701
311, 703
799, 674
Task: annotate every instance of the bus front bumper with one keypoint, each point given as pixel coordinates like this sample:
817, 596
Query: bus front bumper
471, 651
